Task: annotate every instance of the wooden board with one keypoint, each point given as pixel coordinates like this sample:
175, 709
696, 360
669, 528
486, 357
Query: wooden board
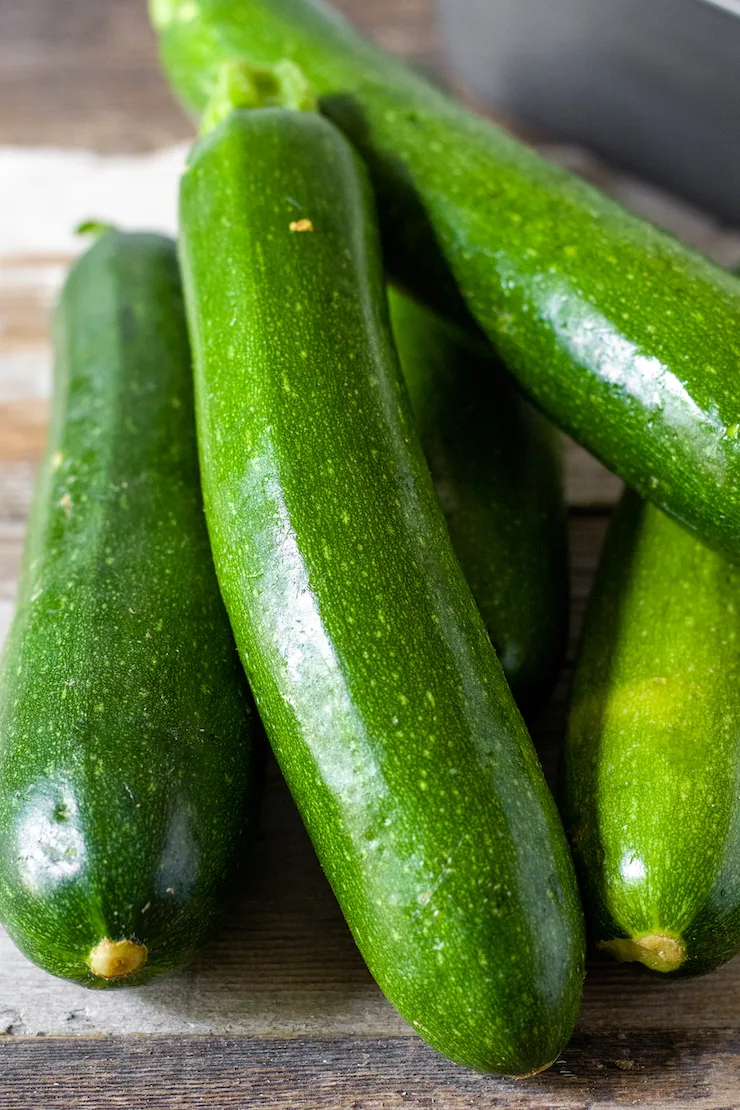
279, 1009
84, 73
395, 1073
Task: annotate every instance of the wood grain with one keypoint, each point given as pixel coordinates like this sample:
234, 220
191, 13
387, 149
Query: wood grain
84, 73
360, 1073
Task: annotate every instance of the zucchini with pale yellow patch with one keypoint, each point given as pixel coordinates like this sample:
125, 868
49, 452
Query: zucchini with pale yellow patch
653, 748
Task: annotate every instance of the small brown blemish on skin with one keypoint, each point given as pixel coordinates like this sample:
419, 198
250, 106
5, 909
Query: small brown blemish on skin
300, 225
66, 503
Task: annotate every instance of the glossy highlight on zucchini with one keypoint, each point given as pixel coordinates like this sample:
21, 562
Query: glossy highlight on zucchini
623, 337
125, 734
653, 748
381, 695
497, 469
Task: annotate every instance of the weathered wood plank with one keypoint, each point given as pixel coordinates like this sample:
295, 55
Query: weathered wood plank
16, 487
653, 1070
23, 430
80, 73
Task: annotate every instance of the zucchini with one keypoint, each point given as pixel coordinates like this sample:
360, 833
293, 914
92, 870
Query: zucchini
653, 748
125, 749
381, 694
626, 339
497, 468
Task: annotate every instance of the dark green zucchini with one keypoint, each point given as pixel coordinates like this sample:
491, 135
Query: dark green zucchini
125, 751
497, 468
371, 667
653, 749
622, 336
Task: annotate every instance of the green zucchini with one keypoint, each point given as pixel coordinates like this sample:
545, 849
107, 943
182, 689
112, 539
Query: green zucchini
653, 748
125, 739
497, 468
626, 339
371, 667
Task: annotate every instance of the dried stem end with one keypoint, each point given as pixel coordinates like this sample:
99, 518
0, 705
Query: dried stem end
115, 959
659, 951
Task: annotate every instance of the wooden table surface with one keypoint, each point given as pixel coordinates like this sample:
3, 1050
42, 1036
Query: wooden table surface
279, 1010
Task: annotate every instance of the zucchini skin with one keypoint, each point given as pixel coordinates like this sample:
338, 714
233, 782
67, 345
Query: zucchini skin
371, 668
626, 339
125, 736
497, 468
653, 745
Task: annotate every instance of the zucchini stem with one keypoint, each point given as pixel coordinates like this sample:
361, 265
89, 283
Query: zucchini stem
115, 959
239, 85
96, 228
659, 951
